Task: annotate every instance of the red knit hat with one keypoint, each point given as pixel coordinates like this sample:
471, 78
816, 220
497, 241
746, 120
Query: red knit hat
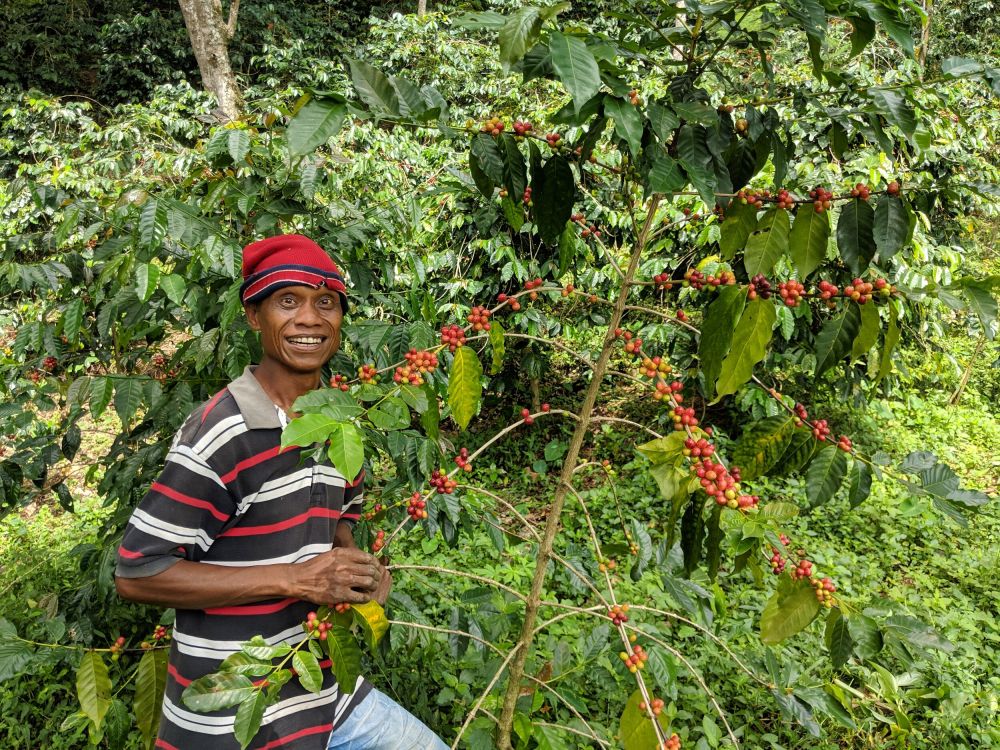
288, 260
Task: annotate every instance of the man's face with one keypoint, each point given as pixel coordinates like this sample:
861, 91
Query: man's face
299, 326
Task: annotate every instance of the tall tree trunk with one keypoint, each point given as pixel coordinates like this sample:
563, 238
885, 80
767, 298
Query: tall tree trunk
210, 35
925, 33
421, 8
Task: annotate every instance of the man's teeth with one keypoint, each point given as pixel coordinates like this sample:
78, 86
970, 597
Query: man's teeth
305, 339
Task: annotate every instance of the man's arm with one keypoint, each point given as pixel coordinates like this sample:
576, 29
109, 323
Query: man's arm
344, 537
345, 574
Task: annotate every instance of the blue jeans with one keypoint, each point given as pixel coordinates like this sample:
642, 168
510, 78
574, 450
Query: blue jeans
379, 723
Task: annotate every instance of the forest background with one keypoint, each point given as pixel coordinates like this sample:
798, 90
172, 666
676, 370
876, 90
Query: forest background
126, 192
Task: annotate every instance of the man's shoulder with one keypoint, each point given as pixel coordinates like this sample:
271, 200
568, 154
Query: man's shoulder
212, 424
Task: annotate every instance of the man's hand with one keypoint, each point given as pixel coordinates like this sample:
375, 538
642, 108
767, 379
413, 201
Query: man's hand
344, 574
381, 594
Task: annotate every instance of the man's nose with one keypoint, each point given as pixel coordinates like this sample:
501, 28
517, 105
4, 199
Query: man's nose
307, 315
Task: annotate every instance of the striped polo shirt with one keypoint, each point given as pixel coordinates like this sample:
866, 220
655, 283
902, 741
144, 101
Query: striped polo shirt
228, 495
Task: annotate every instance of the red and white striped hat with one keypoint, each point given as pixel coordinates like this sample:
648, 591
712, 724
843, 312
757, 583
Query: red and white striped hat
288, 260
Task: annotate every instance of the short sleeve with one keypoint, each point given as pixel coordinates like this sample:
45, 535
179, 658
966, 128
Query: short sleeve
178, 519
354, 498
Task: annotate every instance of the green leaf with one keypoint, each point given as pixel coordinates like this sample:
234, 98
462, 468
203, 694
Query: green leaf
152, 224
307, 668
575, 66
664, 176
128, 396
238, 143
72, 320
101, 390
553, 195
258, 648
640, 536
240, 662
825, 475
515, 172
891, 339
313, 125
713, 543
347, 449
93, 687
519, 34
465, 385
860, 485
488, 157
790, 609
862, 34
696, 158
497, 345
628, 122
391, 414
767, 243
871, 324
150, 682
892, 226
374, 624
248, 718
983, 304
345, 653
721, 319
174, 286
855, 234
216, 691
663, 450
762, 445
866, 635
146, 277
838, 639
373, 87
635, 729
416, 398
308, 430
892, 20
808, 239
753, 334
740, 221
548, 738
836, 338
896, 109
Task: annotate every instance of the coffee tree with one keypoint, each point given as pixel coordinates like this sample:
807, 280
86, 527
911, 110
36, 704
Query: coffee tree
700, 229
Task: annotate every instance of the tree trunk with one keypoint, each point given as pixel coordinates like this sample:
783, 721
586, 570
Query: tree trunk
210, 35
925, 33
421, 8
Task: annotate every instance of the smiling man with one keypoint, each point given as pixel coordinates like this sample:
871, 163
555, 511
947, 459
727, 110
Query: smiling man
243, 538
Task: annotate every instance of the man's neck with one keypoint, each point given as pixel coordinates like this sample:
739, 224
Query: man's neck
284, 386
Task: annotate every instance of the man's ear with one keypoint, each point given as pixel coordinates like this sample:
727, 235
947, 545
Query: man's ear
251, 313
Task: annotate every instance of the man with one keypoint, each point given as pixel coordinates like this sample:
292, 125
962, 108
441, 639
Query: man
245, 539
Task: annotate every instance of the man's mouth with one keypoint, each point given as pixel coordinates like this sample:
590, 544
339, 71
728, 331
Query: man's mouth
306, 340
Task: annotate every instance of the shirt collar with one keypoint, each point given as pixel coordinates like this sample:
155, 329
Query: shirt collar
258, 410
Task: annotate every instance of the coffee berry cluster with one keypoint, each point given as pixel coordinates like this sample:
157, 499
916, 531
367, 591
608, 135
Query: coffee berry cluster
339, 382
315, 627
531, 285
822, 199
633, 345
824, 590
636, 660
656, 706
618, 614
651, 367
663, 282
453, 336
462, 460
379, 542
494, 126
368, 374
759, 287
441, 482
479, 317
513, 303
673, 743
522, 127
417, 507
791, 292
861, 191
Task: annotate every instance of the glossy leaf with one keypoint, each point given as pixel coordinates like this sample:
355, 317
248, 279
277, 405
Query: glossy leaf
836, 338
740, 221
519, 34
860, 484
553, 194
575, 66
767, 243
93, 687
308, 430
345, 653
374, 624
762, 445
808, 239
373, 87
717, 331
347, 449
248, 718
147, 275
628, 122
889, 345
789, 610
892, 226
217, 691
465, 385
867, 336
313, 125
635, 730
750, 341
838, 639
307, 668
150, 682
825, 475
855, 234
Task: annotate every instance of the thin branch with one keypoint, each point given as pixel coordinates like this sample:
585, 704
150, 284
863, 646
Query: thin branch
234, 9
461, 574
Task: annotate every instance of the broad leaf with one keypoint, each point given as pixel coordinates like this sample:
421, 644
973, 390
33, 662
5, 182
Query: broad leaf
825, 475
635, 730
836, 338
896, 109
307, 430
553, 194
150, 682
762, 445
867, 337
838, 639
248, 718
347, 449
628, 122
984, 305
374, 624
753, 334
128, 396
374, 87
146, 277
740, 221
465, 385
808, 239
307, 668
717, 331
216, 691
313, 125
575, 66
790, 609
767, 243
345, 653
860, 484
519, 34
855, 234
892, 226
